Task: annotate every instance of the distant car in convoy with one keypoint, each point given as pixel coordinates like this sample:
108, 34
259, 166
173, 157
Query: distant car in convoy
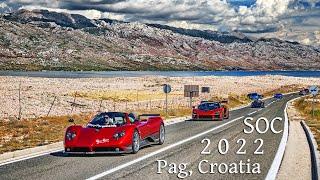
257, 104
254, 96
304, 92
115, 132
278, 96
207, 110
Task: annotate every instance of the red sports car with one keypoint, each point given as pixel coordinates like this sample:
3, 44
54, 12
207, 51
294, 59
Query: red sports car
115, 132
210, 111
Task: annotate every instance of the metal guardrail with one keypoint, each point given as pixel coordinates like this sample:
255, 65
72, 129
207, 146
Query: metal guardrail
313, 152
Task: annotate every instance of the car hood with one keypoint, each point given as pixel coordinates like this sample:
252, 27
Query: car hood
88, 136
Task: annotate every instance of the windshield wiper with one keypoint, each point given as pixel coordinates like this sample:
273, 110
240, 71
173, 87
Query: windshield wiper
94, 125
100, 126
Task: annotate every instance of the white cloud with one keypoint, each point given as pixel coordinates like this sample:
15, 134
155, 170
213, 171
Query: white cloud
306, 41
115, 16
272, 17
188, 25
91, 13
3, 5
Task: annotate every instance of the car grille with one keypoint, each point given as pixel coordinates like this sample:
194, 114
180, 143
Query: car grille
104, 149
206, 117
80, 149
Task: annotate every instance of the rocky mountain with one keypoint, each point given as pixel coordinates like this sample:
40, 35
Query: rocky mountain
43, 40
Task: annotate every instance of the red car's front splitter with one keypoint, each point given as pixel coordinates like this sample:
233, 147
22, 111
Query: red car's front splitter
206, 118
96, 150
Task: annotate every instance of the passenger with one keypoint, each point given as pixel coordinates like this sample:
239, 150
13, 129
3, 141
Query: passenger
132, 117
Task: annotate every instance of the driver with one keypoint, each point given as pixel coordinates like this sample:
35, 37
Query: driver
132, 117
108, 120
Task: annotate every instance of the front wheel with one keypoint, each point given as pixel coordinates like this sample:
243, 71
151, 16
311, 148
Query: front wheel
135, 142
161, 134
226, 116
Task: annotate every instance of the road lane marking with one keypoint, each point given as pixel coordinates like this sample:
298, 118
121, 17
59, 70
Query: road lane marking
160, 151
275, 166
56, 150
251, 113
31, 156
34, 155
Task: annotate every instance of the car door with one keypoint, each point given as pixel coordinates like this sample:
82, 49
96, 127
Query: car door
143, 128
153, 125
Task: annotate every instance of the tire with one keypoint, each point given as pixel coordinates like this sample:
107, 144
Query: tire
162, 133
135, 142
227, 116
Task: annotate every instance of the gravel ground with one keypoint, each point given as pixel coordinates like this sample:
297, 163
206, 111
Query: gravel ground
296, 163
37, 94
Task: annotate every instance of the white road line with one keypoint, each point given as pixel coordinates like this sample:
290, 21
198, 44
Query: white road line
31, 156
159, 151
34, 155
275, 166
13, 160
251, 113
43, 153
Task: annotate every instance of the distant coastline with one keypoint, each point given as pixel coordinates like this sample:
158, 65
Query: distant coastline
105, 74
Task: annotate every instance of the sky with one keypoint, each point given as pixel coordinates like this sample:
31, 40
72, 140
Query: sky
293, 20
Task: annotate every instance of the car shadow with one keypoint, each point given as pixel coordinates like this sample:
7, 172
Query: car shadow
63, 154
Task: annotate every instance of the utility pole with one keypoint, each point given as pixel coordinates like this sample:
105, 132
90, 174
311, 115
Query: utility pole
166, 90
55, 97
138, 99
167, 104
19, 116
74, 101
191, 93
313, 97
100, 105
314, 91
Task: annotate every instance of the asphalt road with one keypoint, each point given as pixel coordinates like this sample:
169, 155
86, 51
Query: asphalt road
59, 166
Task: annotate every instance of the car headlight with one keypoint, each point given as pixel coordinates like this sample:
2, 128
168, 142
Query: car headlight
119, 134
70, 135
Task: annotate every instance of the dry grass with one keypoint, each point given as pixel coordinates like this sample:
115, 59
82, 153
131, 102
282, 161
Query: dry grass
233, 100
23, 134
16, 135
124, 95
304, 106
172, 113
283, 89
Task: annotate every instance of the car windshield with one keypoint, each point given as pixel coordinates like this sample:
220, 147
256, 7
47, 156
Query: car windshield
208, 106
108, 119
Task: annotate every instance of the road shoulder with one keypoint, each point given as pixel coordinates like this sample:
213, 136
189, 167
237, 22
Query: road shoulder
296, 163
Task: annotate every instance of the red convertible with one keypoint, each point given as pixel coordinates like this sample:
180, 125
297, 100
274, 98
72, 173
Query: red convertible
115, 132
210, 111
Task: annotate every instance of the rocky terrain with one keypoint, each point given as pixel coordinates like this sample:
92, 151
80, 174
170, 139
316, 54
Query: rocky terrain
38, 94
43, 40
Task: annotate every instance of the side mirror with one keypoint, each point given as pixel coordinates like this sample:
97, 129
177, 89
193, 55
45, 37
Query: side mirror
144, 119
225, 101
71, 120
